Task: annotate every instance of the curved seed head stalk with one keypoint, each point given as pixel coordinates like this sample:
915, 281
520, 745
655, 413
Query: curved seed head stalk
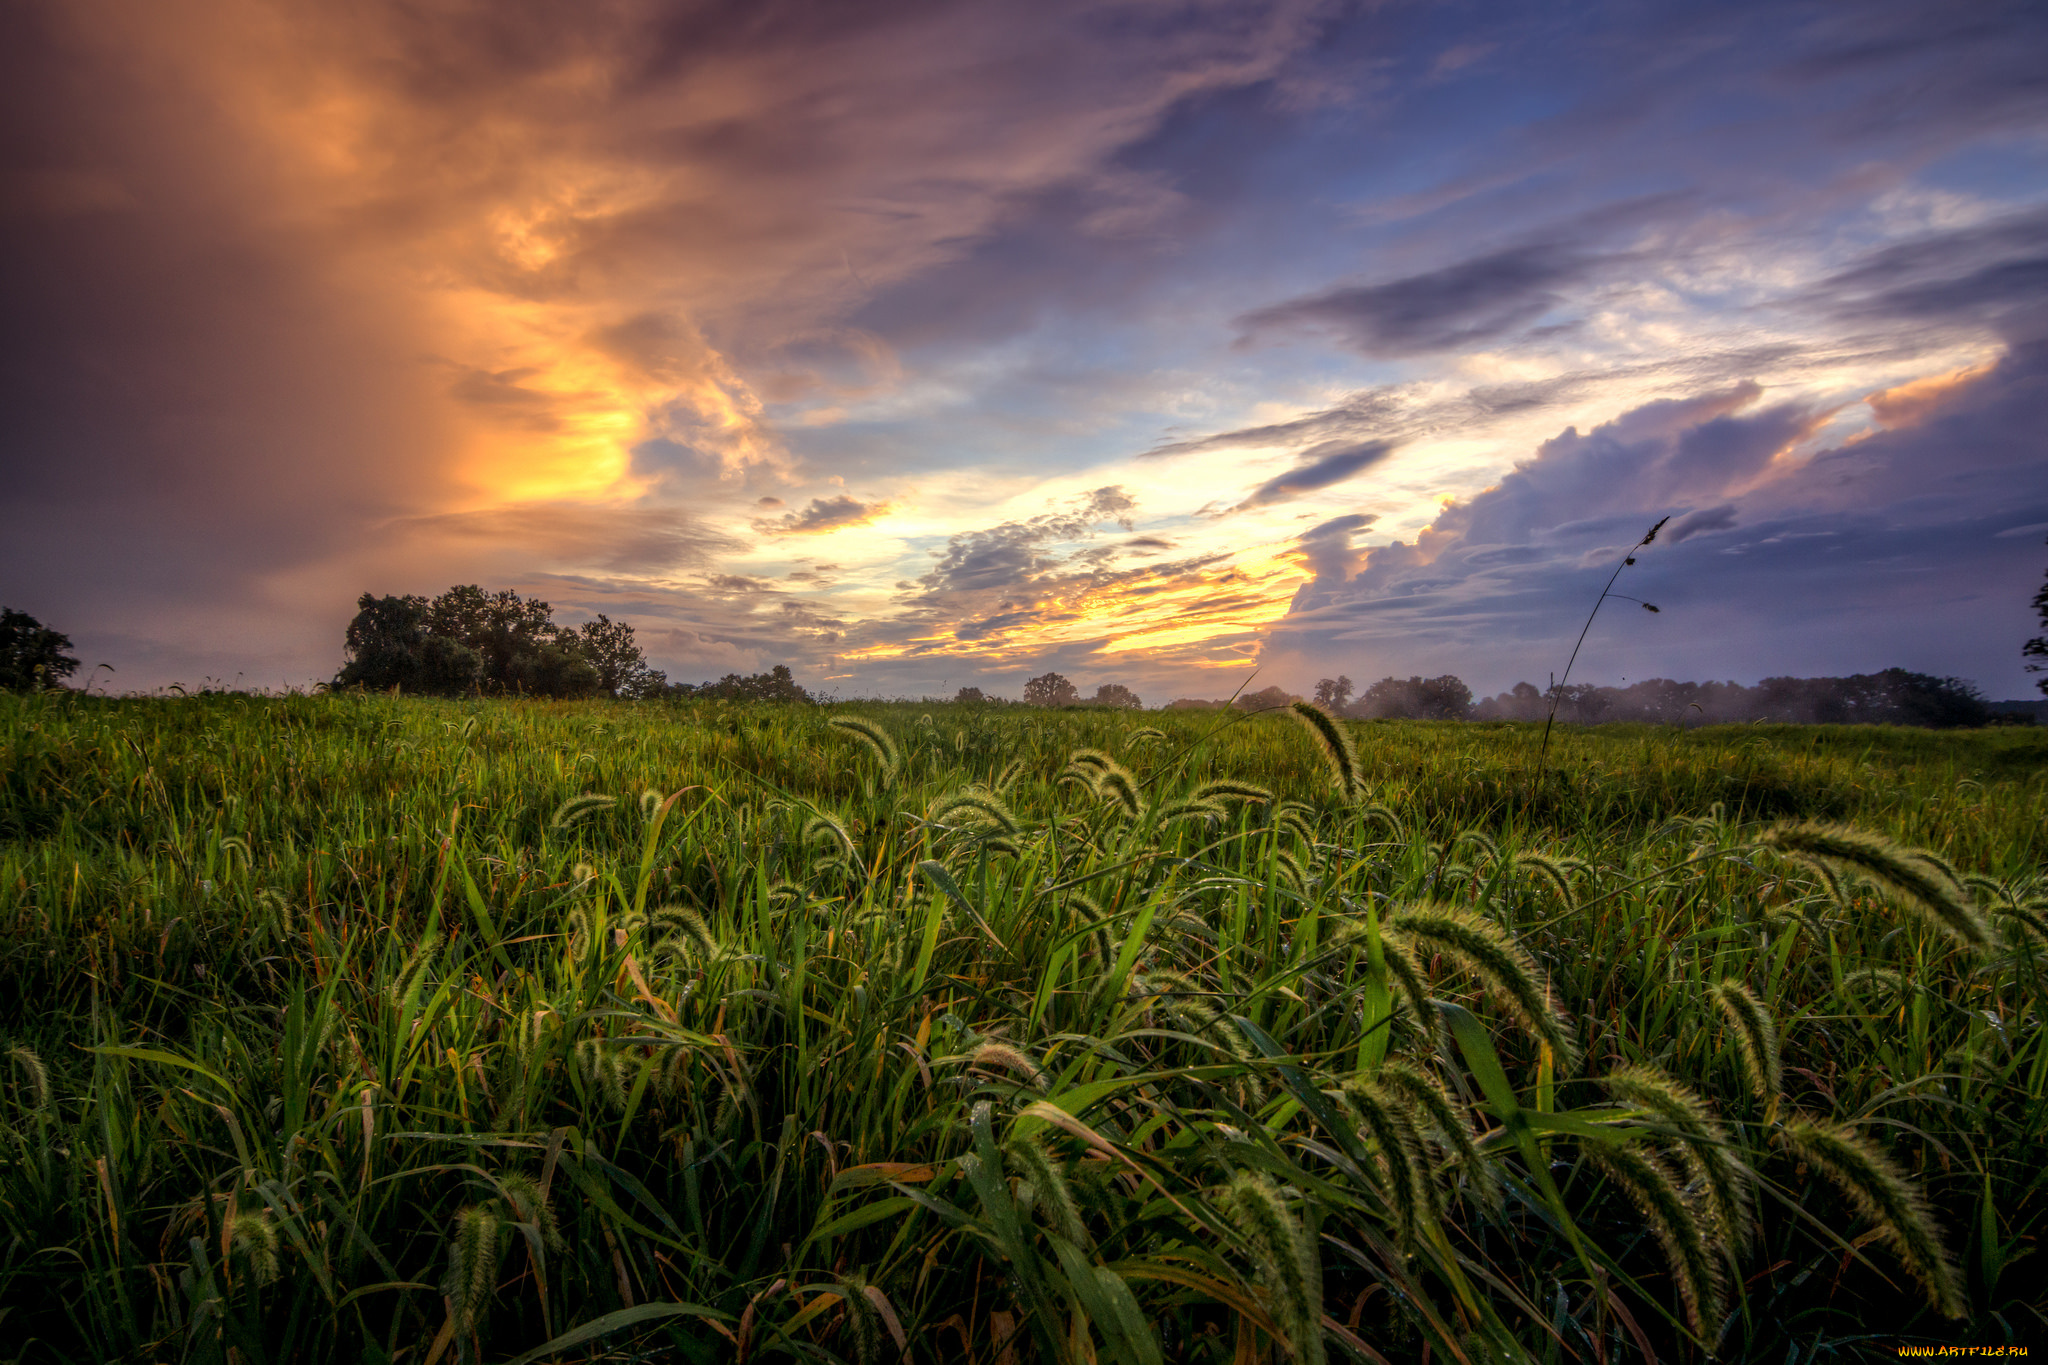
577, 808
876, 739
680, 930
1683, 1234
1046, 1181
1882, 1194
473, 1249
1511, 977
1921, 882
1229, 789
1338, 750
986, 805
34, 1074
1707, 1149
1548, 869
1013, 1059
1115, 783
1443, 1118
253, 1240
1756, 1039
1286, 1261
827, 827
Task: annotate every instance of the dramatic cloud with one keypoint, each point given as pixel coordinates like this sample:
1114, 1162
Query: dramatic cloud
824, 514
1442, 310
1325, 467
1779, 558
639, 305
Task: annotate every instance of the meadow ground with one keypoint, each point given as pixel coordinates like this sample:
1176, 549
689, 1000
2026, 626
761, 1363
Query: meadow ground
359, 1029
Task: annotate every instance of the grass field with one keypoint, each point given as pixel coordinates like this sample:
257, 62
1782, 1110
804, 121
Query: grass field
359, 1029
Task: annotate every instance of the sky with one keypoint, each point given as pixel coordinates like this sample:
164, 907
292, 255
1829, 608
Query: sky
923, 345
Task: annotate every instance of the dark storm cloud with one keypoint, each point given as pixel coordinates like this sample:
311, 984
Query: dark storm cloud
1440, 310
1324, 468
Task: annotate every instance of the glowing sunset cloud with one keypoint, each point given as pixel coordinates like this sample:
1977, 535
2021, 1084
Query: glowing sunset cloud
925, 345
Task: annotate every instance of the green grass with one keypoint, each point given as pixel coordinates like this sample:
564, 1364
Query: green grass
338, 1028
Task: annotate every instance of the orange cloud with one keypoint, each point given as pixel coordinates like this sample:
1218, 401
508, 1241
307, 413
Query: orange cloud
1911, 403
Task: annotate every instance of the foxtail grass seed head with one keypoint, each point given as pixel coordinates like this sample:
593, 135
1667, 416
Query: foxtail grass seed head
1706, 1147
1338, 751
473, 1251
1046, 1182
1883, 1195
1927, 888
1543, 868
253, 1243
977, 806
993, 1056
828, 829
1229, 789
1756, 1038
34, 1076
527, 1204
578, 808
1510, 976
1115, 783
876, 739
1287, 1262
1448, 1123
1680, 1231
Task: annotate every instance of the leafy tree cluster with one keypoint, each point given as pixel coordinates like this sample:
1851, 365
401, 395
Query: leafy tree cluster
1440, 698
777, 684
468, 641
32, 656
1053, 689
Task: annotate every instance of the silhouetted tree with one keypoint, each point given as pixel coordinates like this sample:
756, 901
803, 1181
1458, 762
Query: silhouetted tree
32, 656
1050, 689
1333, 694
2037, 648
1117, 695
969, 694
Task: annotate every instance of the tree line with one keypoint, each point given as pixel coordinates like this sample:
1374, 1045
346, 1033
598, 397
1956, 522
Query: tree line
1895, 696
468, 642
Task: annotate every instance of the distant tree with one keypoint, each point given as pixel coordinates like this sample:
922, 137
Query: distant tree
2037, 648
499, 626
1333, 694
1050, 689
467, 640
1445, 698
1267, 699
32, 657
390, 643
1117, 695
969, 694
777, 684
622, 670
